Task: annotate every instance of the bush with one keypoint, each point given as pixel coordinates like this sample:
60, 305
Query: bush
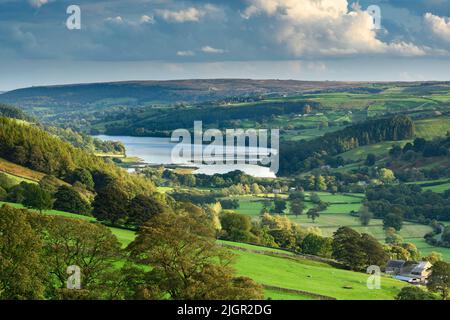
414, 293
6, 182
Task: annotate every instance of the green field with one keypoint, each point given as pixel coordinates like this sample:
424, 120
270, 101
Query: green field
379, 149
439, 188
314, 277
253, 247
338, 215
250, 206
339, 203
426, 249
432, 128
20, 172
51, 212
16, 179
278, 295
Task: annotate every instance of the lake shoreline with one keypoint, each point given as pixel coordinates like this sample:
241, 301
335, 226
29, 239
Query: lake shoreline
156, 151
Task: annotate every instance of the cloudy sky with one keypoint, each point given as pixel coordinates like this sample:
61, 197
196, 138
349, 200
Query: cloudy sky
173, 39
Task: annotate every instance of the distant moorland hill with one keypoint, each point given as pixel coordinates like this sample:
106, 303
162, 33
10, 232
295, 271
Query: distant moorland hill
147, 92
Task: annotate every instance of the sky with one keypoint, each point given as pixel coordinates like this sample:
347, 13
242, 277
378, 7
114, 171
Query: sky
259, 39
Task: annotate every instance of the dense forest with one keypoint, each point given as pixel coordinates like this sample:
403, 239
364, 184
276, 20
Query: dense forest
408, 202
27, 145
9, 111
305, 155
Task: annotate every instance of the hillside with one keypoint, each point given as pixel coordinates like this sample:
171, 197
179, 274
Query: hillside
19, 171
148, 92
31, 147
147, 107
281, 270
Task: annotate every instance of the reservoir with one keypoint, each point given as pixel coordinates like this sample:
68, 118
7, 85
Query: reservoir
156, 150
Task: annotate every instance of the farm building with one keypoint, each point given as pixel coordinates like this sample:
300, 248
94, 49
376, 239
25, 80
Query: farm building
409, 271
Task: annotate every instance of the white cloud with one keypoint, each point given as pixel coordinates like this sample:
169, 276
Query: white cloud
439, 26
186, 15
118, 19
325, 27
146, 19
211, 50
187, 53
38, 3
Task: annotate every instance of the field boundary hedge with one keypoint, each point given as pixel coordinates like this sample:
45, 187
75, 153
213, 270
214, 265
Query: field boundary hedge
299, 292
294, 255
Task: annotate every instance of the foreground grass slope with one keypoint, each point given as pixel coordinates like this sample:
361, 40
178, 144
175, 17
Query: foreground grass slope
284, 272
314, 277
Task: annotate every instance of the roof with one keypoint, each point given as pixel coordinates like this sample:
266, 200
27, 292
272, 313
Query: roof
403, 278
421, 267
395, 264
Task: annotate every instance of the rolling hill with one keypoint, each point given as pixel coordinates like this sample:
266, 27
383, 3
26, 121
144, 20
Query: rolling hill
284, 275
148, 92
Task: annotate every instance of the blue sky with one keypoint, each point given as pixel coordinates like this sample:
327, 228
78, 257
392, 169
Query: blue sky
168, 39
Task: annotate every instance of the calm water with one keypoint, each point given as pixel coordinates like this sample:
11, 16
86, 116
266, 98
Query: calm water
158, 151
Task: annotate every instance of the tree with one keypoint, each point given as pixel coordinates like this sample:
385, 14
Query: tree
373, 250
213, 212
3, 194
433, 257
412, 249
17, 193
280, 205
314, 197
22, 274
92, 247
229, 204
267, 207
393, 221
386, 175
142, 208
50, 183
365, 216
297, 207
111, 204
297, 195
313, 214
316, 245
395, 151
392, 237
398, 253
439, 280
68, 199
236, 227
347, 248
321, 184
370, 160
185, 260
83, 176
6, 182
37, 198
414, 293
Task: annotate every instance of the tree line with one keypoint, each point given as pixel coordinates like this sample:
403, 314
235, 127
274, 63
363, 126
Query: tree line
173, 256
297, 156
